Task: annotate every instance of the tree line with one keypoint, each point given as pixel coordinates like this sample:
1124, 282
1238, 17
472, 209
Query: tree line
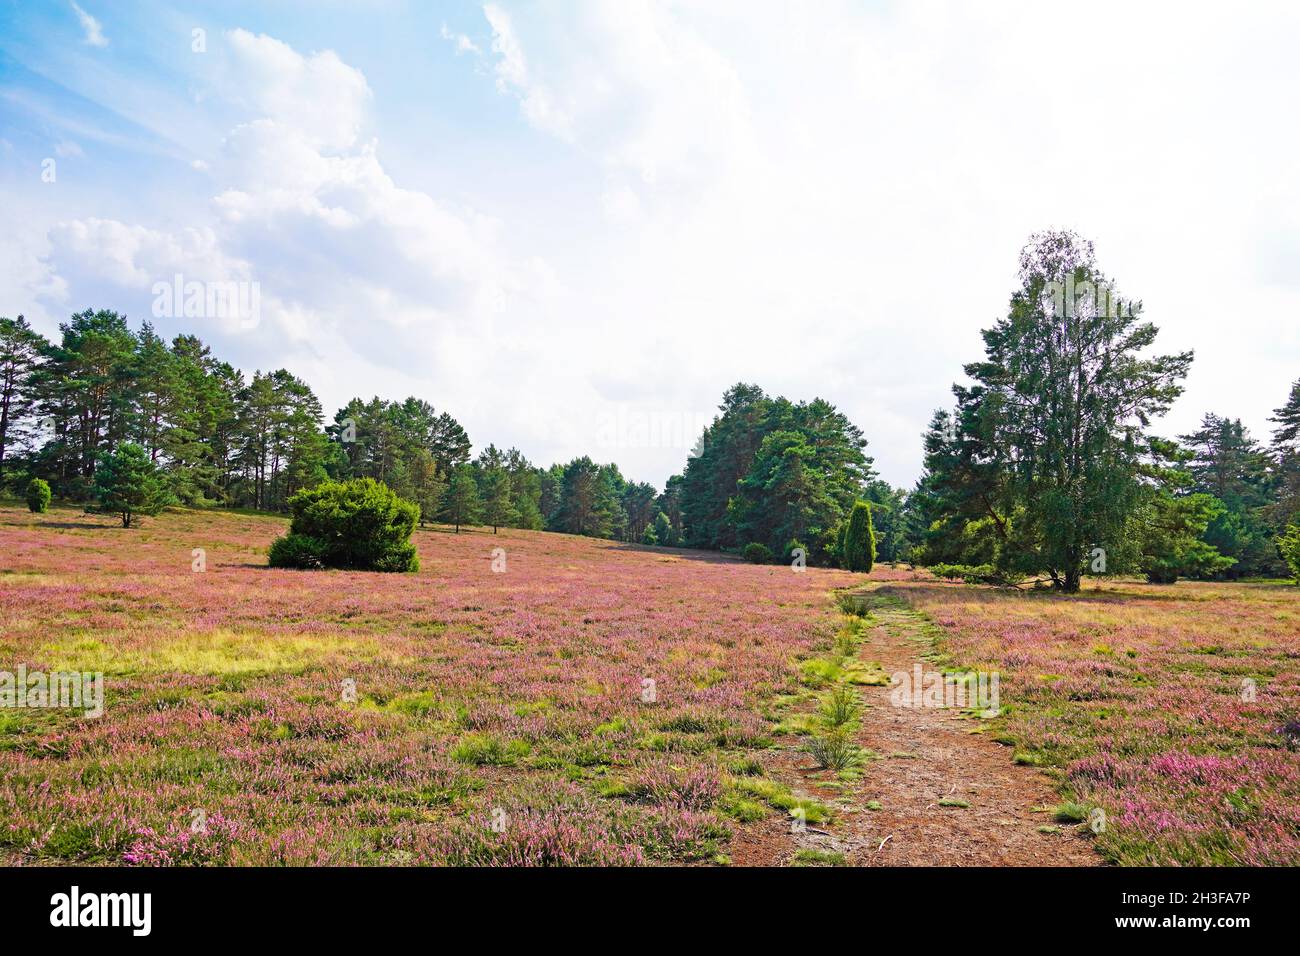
1046, 465
772, 471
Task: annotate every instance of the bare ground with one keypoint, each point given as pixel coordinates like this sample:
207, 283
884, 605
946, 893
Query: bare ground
925, 755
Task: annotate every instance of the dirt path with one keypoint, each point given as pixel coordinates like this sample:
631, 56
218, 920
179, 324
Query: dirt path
926, 755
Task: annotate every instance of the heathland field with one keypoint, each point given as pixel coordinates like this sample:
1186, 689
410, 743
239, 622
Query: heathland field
569, 700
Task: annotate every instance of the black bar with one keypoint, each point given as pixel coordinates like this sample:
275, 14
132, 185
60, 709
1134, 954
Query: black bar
331, 906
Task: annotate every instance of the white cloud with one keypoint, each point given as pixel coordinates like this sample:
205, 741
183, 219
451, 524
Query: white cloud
94, 32
318, 96
462, 42
366, 286
538, 103
825, 202
831, 201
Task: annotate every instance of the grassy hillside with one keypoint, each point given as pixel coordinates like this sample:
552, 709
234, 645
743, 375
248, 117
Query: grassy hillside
477, 693
595, 702
1173, 708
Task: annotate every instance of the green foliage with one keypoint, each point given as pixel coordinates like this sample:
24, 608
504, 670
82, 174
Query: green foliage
769, 470
757, 553
835, 750
487, 750
427, 485
297, 551
357, 525
639, 504
1285, 449
1006, 483
497, 509
128, 484
664, 532
888, 519
21, 353
859, 547
462, 505
1170, 536
1224, 461
38, 495
589, 500
809, 857
1052, 434
840, 707
1289, 547
970, 573
1070, 812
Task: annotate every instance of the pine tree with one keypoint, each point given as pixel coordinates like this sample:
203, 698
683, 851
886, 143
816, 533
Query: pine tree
427, 487
21, 350
1286, 451
589, 496
768, 470
1225, 462
1171, 544
525, 491
155, 381
462, 501
497, 509
86, 389
128, 484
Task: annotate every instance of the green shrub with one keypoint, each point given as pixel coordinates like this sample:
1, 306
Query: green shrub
38, 495
485, 750
359, 525
835, 750
976, 574
1070, 812
297, 551
757, 553
665, 534
840, 708
859, 547
1289, 546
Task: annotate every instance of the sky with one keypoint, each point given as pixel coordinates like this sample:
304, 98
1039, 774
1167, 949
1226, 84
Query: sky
573, 225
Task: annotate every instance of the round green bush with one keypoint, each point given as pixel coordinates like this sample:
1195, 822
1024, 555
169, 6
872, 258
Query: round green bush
757, 553
38, 495
358, 525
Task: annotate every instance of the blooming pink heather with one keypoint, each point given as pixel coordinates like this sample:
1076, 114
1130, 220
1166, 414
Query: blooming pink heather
350, 718
1163, 705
